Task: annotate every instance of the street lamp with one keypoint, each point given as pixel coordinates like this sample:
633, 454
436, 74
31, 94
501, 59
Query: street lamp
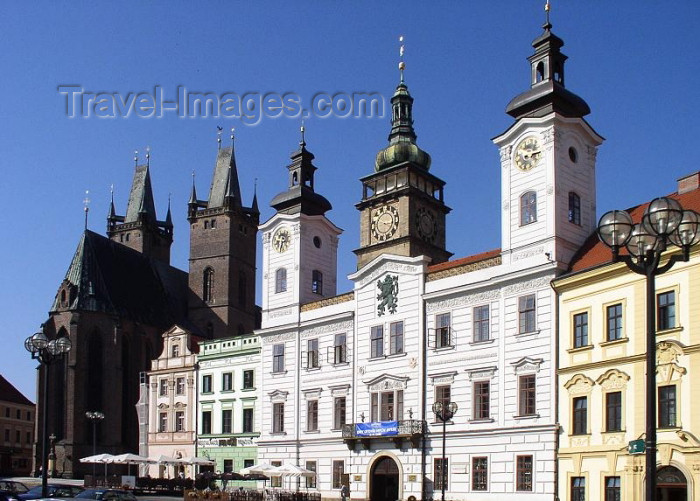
46, 352
95, 417
444, 412
664, 222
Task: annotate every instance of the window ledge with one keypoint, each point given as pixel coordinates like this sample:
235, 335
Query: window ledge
670, 428
207, 393
338, 364
397, 355
669, 331
580, 349
228, 391
444, 348
278, 433
278, 373
579, 434
481, 420
336, 429
613, 432
528, 333
527, 416
614, 342
248, 389
312, 369
485, 341
374, 359
312, 431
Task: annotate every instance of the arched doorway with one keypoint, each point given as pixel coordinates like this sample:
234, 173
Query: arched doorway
385, 480
671, 484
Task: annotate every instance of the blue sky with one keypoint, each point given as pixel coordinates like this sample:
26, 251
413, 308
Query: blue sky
635, 62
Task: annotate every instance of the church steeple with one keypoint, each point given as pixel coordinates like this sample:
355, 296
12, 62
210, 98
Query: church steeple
547, 92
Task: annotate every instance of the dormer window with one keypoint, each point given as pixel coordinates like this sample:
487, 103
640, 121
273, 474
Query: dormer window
528, 208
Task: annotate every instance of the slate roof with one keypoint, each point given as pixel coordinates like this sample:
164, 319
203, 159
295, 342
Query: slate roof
141, 196
595, 253
8, 393
115, 279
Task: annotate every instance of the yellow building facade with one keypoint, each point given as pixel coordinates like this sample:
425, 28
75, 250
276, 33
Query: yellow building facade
601, 374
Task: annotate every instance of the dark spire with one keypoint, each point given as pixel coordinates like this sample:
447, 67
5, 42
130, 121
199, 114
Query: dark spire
168, 216
547, 93
254, 205
193, 193
141, 196
225, 190
300, 195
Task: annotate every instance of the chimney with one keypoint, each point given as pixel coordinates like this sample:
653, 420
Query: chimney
689, 183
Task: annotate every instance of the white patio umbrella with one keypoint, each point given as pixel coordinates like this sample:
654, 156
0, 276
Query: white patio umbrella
290, 471
98, 458
198, 460
166, 460
262, 468
129, 459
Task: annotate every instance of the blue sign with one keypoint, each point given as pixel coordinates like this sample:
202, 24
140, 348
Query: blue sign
377, 429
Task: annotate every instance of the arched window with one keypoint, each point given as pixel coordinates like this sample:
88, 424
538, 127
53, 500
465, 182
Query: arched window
242, 286
281, 280
528, 208
574, 208
317, 282
208, 285
540, 72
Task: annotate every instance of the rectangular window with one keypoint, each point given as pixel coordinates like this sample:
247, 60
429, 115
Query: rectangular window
29, 416
228, 465
377, 341
227, 421
338, 412
666, 310
387, 407
612, 489
163, 422
29, 437
206, 422
667, 406
442, 394
278, 418
526, 314
481, 323
442, 330
578, 488
574, 208
180, 386
480, 473
312, 354
482, 399
527, 393
528, 208
276, 481
613, 411
180, 421
278, 358
18, 435
163, 388
247, 463
580, 330
580, 416
312, 415
311, 481
227, 381
340, 349
396, 338
440, 473
206, 384
338, 470
614, 322
248, 420
523, 481
248, 379
317, 282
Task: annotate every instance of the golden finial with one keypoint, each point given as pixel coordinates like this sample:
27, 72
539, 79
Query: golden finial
546, 10
402, 64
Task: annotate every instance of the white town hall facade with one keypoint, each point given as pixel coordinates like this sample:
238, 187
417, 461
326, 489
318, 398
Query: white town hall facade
348, 382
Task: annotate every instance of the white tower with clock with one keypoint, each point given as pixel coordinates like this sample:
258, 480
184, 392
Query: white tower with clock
548, 164
300, 246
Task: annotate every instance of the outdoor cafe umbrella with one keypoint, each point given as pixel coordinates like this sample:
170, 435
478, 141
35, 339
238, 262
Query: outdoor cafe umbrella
129, 459
197, 461
260, 468
98, 458
291, 471
166, 460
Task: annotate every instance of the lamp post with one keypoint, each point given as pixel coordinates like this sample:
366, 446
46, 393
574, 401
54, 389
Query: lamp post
664, 222
444, 412
46, 352
95, 417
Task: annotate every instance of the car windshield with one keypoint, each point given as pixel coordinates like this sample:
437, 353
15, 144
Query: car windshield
10, 485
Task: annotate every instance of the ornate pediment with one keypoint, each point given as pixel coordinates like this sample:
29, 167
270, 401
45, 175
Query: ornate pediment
668, 352
482, 373
579, 385
312, 393
278, 396
443, 378
340, 390
527, 364
613, 379
387, 382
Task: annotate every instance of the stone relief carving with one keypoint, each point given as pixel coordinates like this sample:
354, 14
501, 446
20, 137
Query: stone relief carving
396, 267
325, 329
528, 253
446, 304
667, 352
613, 379
482, 373
278, 396
389, 384
535, 283
443, 378
280, 313
527, 364
278, 337
579, 385
413, 362
669, 372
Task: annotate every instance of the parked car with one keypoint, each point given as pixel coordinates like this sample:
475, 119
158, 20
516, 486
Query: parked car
13, 486
8, 496
53, 491
107, 495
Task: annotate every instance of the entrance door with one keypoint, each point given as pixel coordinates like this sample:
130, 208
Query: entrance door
671, 484
385, 480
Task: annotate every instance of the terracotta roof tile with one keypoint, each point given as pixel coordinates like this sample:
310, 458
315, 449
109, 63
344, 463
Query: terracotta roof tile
464, 260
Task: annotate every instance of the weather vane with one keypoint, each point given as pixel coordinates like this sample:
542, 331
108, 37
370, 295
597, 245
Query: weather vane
402, 64
86, 204
302, 129
546, 10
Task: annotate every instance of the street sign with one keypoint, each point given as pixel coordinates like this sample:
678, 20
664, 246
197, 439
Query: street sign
636, 447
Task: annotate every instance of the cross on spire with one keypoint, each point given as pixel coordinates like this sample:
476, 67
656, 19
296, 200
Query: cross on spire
402, 64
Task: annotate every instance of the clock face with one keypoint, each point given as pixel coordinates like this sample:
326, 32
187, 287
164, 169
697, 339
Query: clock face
425, 223
281, 240
527, 153
385, 221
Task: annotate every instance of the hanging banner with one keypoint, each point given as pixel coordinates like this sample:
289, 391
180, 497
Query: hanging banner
377, 429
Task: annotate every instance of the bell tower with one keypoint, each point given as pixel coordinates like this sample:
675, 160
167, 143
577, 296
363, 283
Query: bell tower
402, 210
548, 163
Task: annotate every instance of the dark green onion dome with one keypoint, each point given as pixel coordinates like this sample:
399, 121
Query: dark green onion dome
402, 138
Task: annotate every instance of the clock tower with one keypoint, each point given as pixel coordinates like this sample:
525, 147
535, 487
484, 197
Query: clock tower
402, 210
547, 164
300, 245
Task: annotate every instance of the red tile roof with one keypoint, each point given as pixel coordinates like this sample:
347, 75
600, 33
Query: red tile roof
8, 393
465, 260
594, 252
